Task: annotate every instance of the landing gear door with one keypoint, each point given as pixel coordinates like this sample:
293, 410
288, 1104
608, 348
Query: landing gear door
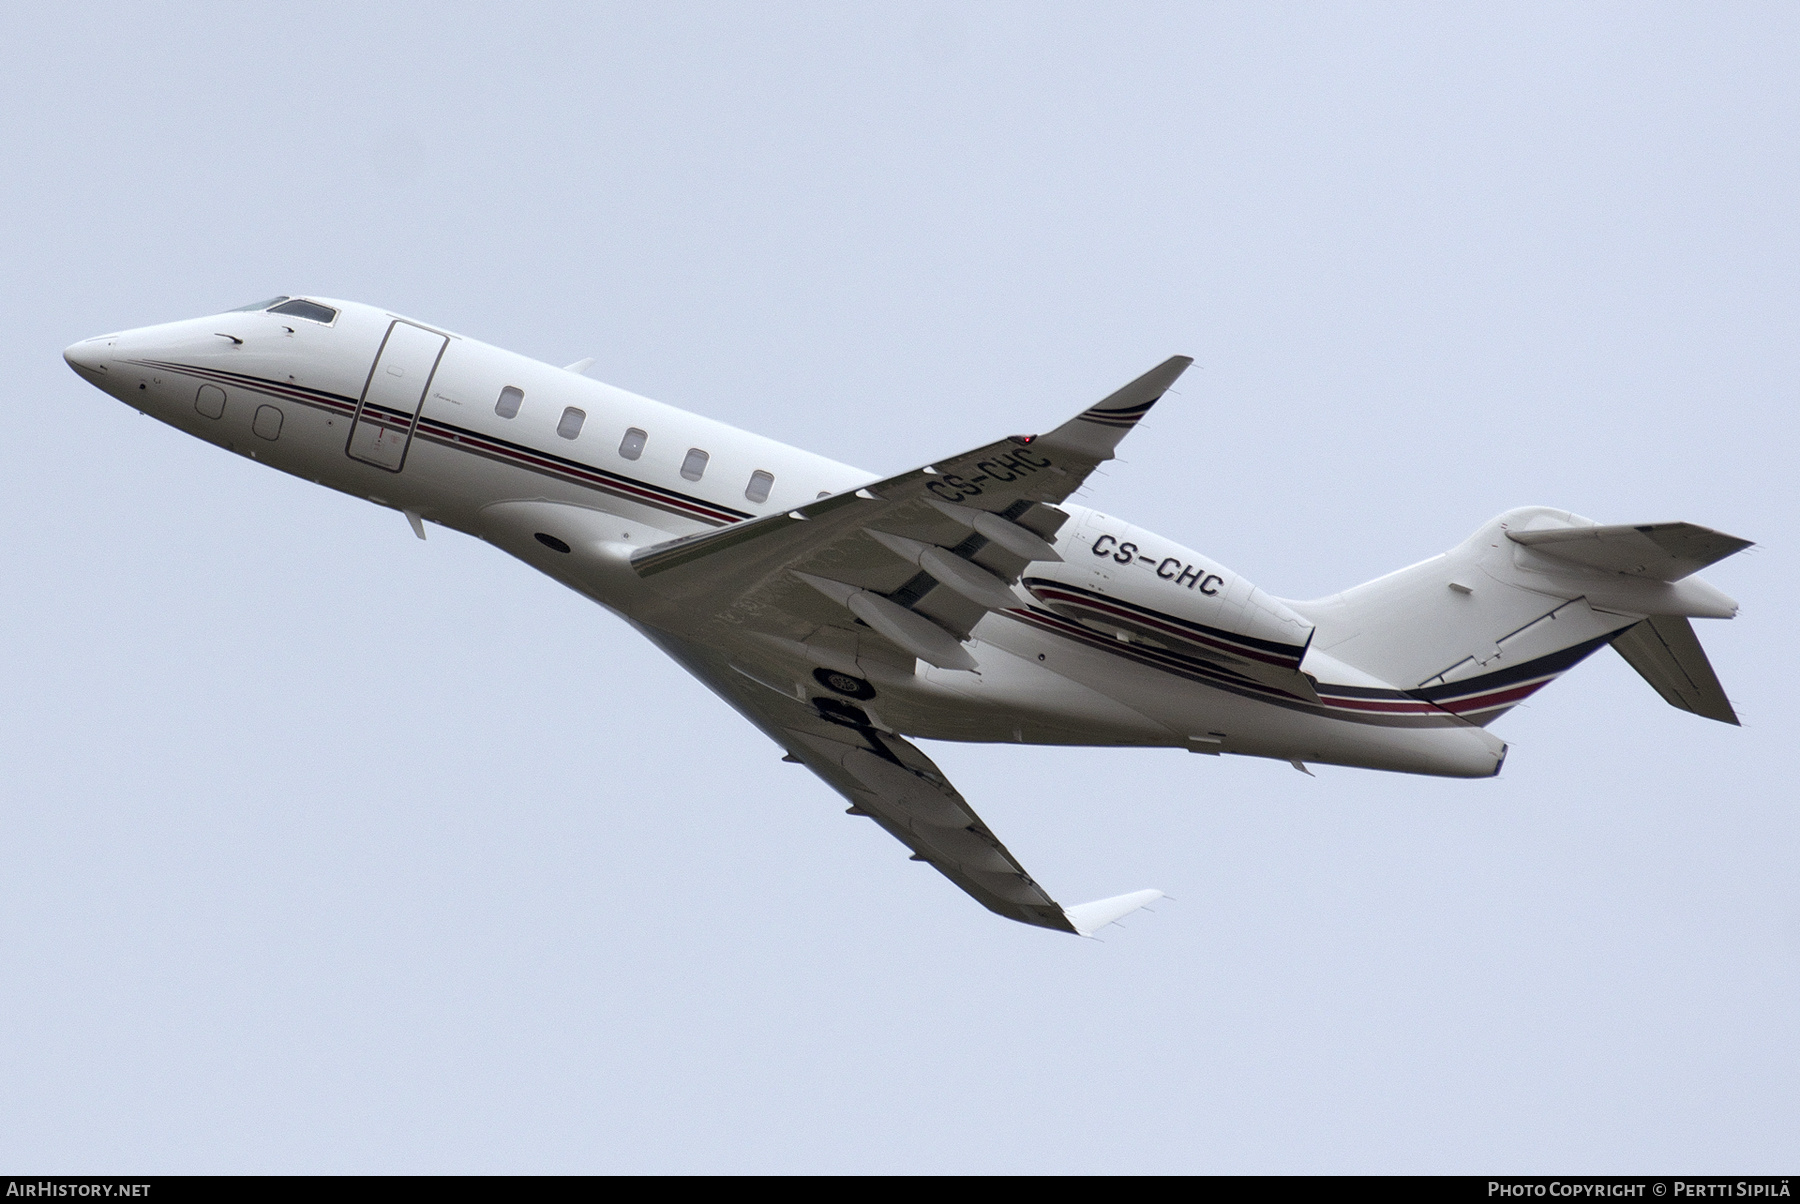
394, 394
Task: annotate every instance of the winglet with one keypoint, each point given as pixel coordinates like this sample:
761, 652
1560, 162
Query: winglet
1098, 429
1089, 918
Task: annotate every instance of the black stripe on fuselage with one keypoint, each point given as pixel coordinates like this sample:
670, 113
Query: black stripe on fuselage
293, 392
462, 438
1550, 663
1437, 706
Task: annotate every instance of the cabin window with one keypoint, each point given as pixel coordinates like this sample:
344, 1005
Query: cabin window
694, 467
312, 311
510, 401
570, 426
632, 445
267, 422
760, 484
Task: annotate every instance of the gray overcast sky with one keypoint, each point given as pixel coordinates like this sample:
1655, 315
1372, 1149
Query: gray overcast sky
329, 850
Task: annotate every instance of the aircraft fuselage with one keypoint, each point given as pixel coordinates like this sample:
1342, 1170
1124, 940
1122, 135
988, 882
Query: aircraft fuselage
455, 432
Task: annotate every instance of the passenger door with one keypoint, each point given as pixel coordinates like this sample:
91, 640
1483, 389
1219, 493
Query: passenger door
394, 395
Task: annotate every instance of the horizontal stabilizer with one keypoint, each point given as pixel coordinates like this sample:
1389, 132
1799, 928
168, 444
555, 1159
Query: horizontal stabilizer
1659, 551
1665, 651
1089, 918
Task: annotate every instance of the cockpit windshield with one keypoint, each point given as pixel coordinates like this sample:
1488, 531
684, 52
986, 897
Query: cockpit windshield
256, 305
312, 311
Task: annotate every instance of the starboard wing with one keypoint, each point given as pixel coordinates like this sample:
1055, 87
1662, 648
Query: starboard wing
918, 558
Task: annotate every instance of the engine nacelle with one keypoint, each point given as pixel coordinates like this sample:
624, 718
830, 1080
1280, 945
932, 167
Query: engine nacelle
1137, 586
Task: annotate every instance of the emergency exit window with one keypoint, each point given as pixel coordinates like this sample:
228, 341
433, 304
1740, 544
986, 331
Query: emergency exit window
760, 484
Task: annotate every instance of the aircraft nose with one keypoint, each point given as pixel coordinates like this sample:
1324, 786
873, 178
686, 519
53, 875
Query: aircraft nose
89, 356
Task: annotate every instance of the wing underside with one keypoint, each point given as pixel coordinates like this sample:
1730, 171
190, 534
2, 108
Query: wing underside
887, 779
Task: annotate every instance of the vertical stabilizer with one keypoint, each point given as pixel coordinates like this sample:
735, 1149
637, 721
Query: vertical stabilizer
1665, 651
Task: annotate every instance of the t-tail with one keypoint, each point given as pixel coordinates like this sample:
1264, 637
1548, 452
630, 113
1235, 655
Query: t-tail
1482, 627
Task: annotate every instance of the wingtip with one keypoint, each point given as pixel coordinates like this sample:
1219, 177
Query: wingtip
1089, 918
1097, 430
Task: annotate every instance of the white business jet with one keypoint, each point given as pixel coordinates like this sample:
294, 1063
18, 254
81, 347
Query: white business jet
842, 612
